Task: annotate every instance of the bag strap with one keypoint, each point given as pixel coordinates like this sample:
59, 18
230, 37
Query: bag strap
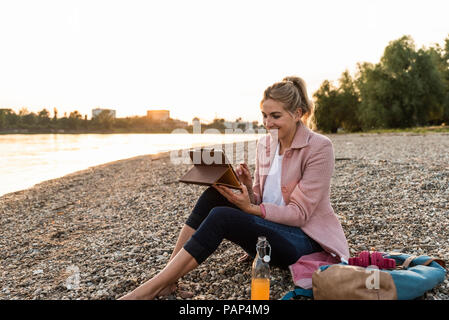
426, 263
407, 262
298, 292
439, 261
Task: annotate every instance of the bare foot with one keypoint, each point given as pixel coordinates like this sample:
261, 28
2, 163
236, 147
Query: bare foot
167, 290
184, 292
164, 292
128, 296
180, 291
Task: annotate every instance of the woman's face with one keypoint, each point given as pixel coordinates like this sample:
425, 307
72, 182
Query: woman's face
276, 117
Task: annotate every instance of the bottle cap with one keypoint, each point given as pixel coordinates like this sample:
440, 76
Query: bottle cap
266, 259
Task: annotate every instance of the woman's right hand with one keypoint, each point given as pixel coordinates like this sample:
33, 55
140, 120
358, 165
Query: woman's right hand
244, 175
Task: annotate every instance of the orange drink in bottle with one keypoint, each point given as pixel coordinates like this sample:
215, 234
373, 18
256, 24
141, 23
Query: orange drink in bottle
260, 289
260, 282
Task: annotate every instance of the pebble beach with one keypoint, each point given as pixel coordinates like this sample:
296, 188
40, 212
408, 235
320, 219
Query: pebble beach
101, 232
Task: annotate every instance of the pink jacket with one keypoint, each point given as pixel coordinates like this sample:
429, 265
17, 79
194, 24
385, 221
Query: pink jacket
307, 169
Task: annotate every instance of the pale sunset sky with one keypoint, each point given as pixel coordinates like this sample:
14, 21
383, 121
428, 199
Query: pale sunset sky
195, 58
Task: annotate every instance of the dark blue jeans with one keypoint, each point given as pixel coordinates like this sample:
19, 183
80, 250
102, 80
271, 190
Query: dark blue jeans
214, 218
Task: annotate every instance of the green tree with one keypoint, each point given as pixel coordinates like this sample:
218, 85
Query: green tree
348, 103
326, 112
398, 83
217, 124
337, 107
370, 82
3, 120
43, 118
27, 120
103, 121
55, 115
404, 89
429, 89
75, 120
443, 63
10, 119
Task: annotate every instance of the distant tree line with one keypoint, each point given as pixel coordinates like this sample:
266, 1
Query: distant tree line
41, 122
407, 88
238, 125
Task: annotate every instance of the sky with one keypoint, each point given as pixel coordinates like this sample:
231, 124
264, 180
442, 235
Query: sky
203, 59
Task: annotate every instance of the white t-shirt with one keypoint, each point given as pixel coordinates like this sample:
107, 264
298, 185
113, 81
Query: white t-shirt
272, 189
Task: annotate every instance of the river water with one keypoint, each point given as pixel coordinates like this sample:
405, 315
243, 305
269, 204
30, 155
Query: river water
29, 159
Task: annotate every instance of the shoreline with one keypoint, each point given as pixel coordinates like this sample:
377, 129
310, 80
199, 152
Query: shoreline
412, 130
113, 226
156, 156
24, 167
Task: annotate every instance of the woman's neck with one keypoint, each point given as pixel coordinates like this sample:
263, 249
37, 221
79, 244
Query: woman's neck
286, 142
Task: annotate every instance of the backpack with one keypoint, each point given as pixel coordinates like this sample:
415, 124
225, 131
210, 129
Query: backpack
410, 279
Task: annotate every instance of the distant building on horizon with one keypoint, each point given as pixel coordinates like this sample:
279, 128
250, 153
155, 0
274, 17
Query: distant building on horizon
242, 125
96, 112
158, 115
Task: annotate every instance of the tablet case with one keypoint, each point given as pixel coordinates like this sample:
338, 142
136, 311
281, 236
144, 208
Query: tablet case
211, 166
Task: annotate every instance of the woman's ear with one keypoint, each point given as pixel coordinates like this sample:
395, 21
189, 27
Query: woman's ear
298, 114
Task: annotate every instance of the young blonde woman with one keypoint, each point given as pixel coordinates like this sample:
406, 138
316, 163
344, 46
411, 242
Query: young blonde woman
288, 202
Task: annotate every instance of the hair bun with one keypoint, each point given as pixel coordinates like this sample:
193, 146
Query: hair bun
296, 81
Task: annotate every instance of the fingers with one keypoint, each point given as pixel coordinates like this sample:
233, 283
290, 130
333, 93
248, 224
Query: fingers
245, 168
242, 169
240, 199
224, 191
219, 191
229, 194
238, 170
244, 189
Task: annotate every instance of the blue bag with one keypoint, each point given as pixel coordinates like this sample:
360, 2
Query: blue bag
411, 279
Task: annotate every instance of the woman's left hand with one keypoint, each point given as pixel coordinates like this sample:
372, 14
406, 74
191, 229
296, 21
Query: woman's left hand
241, 199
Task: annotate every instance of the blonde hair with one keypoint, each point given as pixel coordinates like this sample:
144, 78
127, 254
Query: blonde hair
292, 92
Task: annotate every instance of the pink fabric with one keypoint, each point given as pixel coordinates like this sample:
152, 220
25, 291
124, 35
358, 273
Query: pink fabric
304, 268
307, 168
262, 208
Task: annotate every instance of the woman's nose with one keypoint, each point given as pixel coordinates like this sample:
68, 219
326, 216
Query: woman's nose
268, 123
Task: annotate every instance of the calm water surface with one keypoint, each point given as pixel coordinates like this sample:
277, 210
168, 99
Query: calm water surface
30, 159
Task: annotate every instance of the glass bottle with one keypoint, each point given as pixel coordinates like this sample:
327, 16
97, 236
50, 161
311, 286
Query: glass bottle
260, 281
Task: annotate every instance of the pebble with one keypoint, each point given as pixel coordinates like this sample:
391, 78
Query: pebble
122, 219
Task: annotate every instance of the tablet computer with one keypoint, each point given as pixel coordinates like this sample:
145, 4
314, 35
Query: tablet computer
211, 166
